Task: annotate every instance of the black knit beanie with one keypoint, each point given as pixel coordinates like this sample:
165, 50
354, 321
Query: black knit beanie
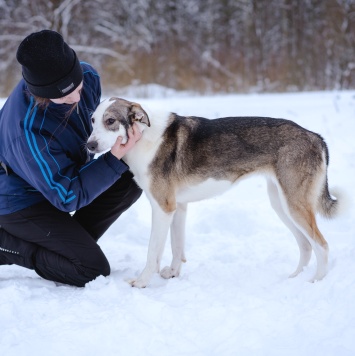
50, 67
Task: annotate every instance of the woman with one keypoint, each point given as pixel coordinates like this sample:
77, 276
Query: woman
56, 200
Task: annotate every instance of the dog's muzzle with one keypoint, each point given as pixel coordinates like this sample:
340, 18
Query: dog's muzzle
92, 146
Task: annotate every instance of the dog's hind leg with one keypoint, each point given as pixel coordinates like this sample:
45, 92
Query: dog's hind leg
305, 247
161, 221
177, 232
302, 200
305, 219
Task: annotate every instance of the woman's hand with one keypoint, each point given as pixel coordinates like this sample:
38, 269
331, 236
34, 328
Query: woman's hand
134, 135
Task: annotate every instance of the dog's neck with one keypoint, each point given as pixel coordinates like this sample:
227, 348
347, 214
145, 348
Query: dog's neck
158, 119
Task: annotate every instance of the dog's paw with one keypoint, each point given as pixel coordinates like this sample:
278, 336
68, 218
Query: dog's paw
136, 283
168, 272
144, 278
294, 274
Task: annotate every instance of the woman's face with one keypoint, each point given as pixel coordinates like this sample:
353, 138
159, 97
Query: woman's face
72, 98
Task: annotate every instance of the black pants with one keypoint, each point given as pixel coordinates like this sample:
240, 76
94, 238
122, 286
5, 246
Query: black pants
62, 247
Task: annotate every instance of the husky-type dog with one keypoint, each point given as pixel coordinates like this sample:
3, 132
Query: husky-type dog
184, 159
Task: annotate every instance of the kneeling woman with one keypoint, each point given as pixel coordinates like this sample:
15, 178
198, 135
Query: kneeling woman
56, 200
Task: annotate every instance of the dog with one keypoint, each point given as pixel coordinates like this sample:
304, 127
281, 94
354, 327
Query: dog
184, 159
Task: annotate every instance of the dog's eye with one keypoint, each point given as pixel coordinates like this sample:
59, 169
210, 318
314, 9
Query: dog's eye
92, 120
110, 121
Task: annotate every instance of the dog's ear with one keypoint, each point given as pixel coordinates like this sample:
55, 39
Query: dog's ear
138, 114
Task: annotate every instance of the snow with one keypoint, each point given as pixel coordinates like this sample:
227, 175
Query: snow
234, 296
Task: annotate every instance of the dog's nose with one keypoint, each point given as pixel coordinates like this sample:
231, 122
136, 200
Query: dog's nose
91, 146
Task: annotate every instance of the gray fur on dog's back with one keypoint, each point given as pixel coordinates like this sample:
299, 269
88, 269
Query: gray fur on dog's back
195, 149
255, 142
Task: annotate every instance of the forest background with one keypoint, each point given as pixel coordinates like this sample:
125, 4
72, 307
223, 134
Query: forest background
205, 46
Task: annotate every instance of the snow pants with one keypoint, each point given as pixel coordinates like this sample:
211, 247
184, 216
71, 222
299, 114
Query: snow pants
60, 246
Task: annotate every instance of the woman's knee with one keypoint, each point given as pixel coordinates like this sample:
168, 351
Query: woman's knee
135, 192
98, 265
88, 274
104, 267
75, 272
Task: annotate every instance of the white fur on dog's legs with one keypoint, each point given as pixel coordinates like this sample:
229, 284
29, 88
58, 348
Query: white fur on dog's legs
177, 232
321, 253
306, 223
305, 247
160, 226
305, 253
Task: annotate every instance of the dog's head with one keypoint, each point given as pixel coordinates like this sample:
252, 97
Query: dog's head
111, 119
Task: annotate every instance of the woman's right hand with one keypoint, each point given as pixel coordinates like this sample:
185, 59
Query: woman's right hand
134, 135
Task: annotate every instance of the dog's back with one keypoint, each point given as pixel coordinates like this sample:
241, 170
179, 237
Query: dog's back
234, 146
195, 149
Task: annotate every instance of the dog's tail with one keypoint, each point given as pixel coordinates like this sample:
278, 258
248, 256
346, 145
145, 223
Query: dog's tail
333, 204
329, 204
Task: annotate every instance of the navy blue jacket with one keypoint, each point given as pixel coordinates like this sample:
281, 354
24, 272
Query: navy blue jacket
45, 151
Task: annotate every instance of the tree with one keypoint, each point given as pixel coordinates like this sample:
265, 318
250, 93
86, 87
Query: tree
202, 45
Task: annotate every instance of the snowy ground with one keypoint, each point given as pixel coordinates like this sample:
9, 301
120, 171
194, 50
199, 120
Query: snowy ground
233, 297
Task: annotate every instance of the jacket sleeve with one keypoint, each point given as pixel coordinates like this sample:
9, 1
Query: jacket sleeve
59, 179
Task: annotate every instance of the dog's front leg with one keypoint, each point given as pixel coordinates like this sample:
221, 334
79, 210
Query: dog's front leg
160, 226
177, 232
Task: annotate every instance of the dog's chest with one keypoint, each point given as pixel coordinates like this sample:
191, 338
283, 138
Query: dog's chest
139, 159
